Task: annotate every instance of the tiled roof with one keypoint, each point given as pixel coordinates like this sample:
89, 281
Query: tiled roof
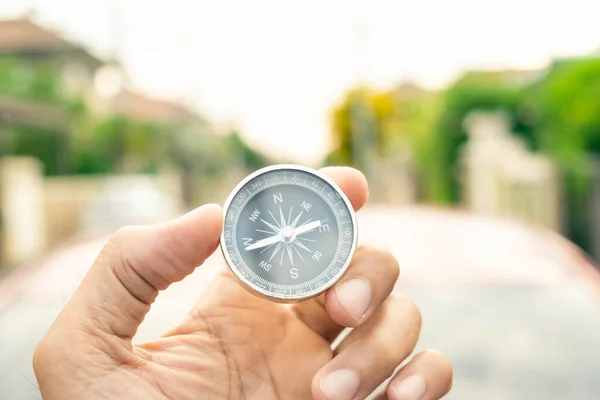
23, 36
143, 108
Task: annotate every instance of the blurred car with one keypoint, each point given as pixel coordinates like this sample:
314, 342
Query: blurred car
515, 308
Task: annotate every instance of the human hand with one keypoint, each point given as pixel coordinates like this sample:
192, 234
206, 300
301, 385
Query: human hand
234, 345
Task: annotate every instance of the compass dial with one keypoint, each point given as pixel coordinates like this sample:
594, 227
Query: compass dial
289, 232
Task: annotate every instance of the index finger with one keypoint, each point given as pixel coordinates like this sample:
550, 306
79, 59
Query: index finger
313, 312
352, 182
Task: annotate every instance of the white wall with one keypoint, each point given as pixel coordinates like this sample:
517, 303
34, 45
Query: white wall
22, 228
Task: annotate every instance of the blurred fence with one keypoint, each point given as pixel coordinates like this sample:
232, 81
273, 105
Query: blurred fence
501, 177
38, 213
594, 205
68, 198
391, 179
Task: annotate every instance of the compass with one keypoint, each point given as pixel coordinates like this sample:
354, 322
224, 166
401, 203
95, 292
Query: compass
289, 232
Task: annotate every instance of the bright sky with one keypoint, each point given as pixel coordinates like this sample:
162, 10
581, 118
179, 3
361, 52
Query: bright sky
276, 68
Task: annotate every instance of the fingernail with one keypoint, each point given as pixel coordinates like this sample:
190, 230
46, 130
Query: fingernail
340, 385
411, 388
355, 297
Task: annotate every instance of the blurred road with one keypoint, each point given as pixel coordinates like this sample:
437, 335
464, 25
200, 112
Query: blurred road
514, 308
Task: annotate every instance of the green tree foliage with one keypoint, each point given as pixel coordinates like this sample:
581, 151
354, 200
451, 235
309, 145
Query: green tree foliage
30, 80
385, 123
474, 91
556, 112
35, 81
361, 123
241, 153
381, 122
119, 144
567, 101
110, 144
47, 145
567, 105
416, 114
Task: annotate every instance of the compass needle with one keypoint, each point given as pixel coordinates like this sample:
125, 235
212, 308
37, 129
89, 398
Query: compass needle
307, 228
306, 222
275, 217
263, 231
264, 242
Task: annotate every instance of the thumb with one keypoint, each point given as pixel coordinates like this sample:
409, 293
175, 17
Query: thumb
137, 263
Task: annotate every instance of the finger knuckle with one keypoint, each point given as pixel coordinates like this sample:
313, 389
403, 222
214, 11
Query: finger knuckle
383, 258
443, 365
40, 357
404, 330
439, 357
116, 248
436, 359
409, 310
409, 306
415, 314
441, 360
392, 264
123, 234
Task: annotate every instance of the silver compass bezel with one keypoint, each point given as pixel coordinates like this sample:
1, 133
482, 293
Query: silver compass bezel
289, 298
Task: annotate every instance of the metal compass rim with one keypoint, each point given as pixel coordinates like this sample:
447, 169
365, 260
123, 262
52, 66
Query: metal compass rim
282, 297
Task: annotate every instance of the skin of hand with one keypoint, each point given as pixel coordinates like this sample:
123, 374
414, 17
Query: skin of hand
234, 345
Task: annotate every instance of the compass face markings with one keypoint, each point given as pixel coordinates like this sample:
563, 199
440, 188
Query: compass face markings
288, 246
304, 247
274, 228
290, 234
267, 248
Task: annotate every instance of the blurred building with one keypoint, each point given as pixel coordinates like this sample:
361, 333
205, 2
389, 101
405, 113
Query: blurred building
141, 107
103, 84
24, 39
38, 212
195, 139
501, 177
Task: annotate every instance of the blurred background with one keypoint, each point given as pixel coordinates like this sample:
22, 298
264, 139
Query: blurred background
130, 111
